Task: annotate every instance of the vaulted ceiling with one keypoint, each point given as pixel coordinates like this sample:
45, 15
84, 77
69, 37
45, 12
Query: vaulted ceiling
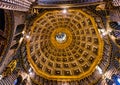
63, 42
67, 45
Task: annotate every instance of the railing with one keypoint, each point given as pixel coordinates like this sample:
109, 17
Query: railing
8, 80
15, 5
116, 2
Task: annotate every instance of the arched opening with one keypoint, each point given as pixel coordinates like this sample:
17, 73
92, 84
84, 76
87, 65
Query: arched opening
2, 20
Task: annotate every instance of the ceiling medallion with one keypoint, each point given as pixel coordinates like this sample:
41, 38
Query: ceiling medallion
64, 47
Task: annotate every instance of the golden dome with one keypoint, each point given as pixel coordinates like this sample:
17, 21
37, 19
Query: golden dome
64, 46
